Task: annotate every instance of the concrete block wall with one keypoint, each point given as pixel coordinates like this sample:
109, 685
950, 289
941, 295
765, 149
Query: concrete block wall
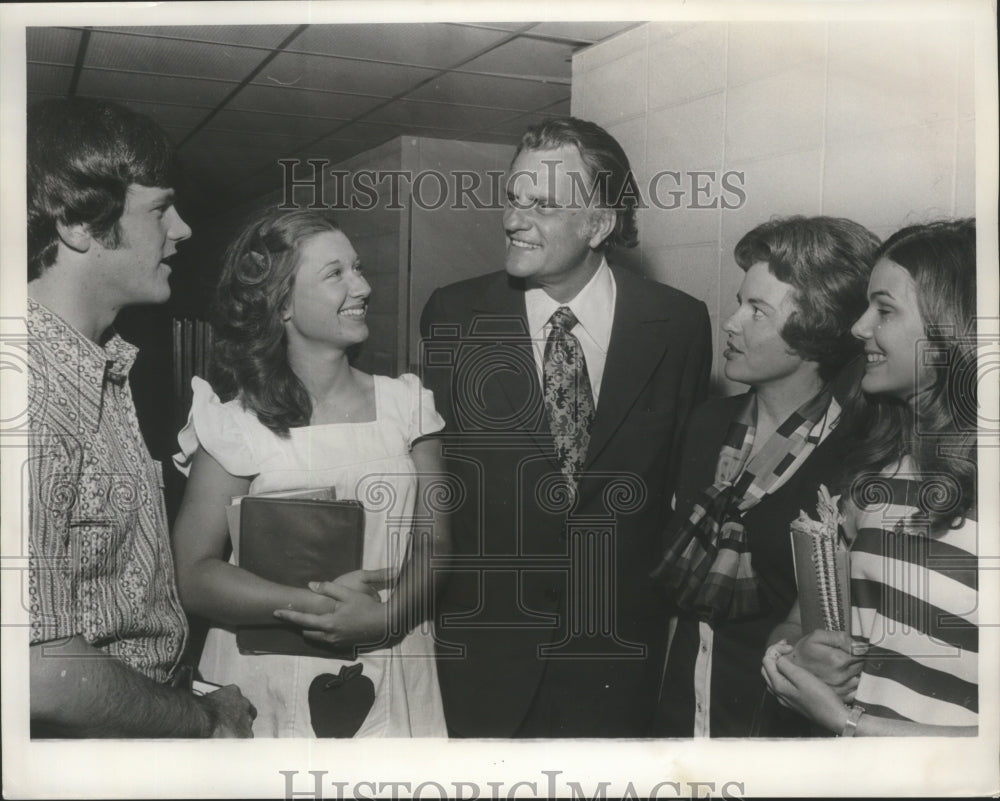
872, 120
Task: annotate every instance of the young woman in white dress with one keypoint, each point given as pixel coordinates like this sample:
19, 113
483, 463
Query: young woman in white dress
288, 412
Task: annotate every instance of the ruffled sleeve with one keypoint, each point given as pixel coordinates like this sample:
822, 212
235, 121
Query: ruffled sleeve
220, 429
423, 418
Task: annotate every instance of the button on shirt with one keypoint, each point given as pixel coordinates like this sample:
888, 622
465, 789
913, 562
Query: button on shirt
594, 307
100, 564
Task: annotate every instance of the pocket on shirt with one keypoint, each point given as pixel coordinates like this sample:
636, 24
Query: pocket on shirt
95, 548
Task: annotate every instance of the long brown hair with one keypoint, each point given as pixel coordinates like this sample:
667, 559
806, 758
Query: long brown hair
250, 359
937, 427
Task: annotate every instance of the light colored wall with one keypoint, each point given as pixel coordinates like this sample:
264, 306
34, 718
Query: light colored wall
410, 248
868, 120
377, 237
458, 240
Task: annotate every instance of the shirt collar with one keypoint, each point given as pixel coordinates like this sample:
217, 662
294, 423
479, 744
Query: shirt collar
594, 306
112, 362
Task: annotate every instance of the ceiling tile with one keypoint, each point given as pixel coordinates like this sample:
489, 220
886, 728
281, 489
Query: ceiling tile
486, 135
517, 125
322, 72
52, 45
257, 35
429, 45
581, 31
230, 158
38, 97
311, 125
334, 103
560, 109
136, 86
439, 115
369, 132
294, 100
272, 144
506, 26
502, 92
527, 57
49, 80
335, 151
171, 56
175, 115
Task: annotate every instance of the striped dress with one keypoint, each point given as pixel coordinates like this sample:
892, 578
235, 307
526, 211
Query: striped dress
914, 599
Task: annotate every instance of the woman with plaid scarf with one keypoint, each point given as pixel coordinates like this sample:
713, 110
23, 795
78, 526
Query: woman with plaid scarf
751, 462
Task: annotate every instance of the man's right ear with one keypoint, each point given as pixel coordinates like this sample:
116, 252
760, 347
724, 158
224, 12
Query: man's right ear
75, 236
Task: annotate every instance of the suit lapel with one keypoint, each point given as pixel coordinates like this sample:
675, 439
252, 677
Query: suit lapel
638, 342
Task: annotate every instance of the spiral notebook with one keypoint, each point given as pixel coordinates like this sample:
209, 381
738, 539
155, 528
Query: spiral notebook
292, 541
822, 568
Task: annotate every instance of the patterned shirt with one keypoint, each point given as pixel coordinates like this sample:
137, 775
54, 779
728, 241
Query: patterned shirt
914, 600
100, 564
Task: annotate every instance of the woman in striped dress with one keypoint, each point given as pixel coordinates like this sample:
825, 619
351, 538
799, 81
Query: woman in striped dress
912, 509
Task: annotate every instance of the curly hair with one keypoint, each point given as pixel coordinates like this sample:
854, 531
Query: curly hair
82, 156
937, 427
827, 260
250, 351
609, 168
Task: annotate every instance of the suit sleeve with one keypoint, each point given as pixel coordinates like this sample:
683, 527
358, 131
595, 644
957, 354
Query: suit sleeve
435, 372
692, 388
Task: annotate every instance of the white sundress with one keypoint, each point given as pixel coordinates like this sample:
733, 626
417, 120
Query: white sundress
369, 462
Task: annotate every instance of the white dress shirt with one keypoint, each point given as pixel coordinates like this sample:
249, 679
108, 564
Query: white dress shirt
594, 307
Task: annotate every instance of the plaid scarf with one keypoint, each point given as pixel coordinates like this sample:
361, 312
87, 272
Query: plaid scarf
708, 566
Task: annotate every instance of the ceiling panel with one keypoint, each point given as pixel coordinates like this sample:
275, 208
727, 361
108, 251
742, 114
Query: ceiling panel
52, 45
527, 57
270, 144
171, 56
270, 174
309, 125
266, 36
509, 93
515, 126
174, 115
228, 159
335, 151
338, 74
488, 135
505, 26
560, 109
48, 80
139, 86
295, 100
426, 45
374, 132
440, 115
334, 92
581, 31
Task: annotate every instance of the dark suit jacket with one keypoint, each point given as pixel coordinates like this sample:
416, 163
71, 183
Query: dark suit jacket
548, 599
739, 704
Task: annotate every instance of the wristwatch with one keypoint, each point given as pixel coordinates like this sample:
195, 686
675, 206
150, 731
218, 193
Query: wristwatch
851, 724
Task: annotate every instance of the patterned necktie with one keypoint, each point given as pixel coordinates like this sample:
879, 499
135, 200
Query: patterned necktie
569, 401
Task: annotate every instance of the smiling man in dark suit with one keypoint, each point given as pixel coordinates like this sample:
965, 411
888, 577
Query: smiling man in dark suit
566, 385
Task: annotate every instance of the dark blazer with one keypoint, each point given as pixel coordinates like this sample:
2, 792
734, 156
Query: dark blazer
548, 614
740, 705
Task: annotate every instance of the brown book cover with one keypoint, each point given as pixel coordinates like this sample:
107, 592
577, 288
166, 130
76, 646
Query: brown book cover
293, 541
